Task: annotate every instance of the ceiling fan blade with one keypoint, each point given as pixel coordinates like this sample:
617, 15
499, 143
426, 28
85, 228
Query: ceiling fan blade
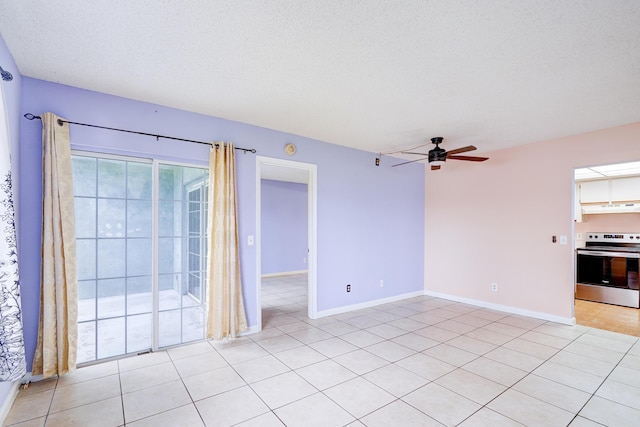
468, 158
461, 150
410, 161
434, 168
413, 152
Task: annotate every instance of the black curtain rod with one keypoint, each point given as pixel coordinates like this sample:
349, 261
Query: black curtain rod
30, 116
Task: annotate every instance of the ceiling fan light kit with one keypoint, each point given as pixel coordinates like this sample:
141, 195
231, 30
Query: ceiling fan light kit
438, 156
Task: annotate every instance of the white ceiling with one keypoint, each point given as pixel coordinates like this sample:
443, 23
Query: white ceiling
607, 171
378, 75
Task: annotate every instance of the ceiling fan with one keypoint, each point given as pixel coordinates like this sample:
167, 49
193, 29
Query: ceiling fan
437, 156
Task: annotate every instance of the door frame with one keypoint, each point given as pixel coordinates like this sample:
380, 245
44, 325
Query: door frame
312, 231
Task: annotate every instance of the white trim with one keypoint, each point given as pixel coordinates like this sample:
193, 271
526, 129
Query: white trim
312, 230
505, 308
252, 330
8, 401
367, 304
285, 273
155, 253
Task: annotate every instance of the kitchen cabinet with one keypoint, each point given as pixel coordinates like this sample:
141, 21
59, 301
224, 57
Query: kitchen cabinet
610, 190
595, 191
625, 189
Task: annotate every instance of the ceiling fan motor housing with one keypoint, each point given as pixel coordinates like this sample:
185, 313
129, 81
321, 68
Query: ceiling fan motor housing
437, 154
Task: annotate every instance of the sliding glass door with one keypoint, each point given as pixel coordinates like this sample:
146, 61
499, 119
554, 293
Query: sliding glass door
141, 268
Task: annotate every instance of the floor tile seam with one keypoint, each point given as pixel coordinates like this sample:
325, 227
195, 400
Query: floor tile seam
588, 354
603, 347
430, 416
545, 359
50, 411
487, 341
391, 340
469, 351
486, 406
605, 379
254, 417
124, 416
518, 367
161, 412
281, 350
547, 345
559, 383
533, 397
454, 391
316, 391
557, 336
566, 364
36, 417
182, 381
182, 377
395, 398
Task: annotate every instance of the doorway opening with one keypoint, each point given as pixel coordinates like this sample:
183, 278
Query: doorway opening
286, 171
606, 203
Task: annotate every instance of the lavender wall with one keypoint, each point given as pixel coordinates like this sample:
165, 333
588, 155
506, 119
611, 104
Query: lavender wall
370, 219
283, 226
12, 95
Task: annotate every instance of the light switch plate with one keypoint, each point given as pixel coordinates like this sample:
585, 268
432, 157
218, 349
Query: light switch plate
250, 240
563, 240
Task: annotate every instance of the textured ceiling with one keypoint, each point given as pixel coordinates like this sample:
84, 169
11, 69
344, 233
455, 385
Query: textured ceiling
376, 75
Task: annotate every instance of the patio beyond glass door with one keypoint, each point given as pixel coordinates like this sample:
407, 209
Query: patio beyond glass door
139, 283
181, 267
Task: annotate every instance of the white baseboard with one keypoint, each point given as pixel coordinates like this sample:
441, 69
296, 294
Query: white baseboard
505, 308
367, 304
284, 273
8, 401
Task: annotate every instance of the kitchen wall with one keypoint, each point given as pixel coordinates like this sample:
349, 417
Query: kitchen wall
370, 219
492, 222
12, 94
283, 226
620, 222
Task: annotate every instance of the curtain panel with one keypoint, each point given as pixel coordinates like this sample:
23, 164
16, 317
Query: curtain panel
57, 329
226, 316
12, 357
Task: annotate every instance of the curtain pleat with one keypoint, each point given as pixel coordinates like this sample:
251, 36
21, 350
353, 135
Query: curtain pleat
226, 316
12, 358
58, 326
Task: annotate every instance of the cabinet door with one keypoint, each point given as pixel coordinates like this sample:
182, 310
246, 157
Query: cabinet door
625, 189
594, 191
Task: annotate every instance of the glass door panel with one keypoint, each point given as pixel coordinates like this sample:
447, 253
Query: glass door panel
114, 256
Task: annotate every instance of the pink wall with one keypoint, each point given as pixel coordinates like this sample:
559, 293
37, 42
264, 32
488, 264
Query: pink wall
493, 221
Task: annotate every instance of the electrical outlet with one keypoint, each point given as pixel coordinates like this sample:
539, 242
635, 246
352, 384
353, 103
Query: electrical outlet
494, 287
579, 236
348, 288
381, 283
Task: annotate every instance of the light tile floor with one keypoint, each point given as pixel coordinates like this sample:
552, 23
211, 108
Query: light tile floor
422, 361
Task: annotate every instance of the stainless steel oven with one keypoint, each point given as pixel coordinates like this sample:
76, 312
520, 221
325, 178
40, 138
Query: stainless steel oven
607, 269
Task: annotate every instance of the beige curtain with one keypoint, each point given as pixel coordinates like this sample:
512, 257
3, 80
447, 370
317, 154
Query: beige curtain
57, 330
226, 317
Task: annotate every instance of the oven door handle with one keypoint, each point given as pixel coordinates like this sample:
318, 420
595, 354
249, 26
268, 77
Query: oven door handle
609, 254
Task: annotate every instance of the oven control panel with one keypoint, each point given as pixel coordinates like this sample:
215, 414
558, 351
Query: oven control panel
613, 237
